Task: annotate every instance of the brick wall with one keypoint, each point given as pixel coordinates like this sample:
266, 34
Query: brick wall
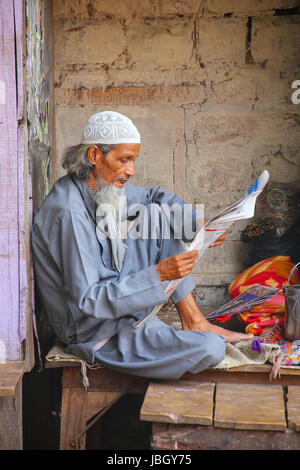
208, 84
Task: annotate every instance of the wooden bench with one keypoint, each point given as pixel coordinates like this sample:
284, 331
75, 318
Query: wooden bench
194, 412
239, 408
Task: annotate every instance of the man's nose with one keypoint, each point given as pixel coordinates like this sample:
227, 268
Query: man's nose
129, 170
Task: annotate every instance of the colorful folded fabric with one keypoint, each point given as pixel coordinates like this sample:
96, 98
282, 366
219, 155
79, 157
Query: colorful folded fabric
256, 323
291, 351
272, 272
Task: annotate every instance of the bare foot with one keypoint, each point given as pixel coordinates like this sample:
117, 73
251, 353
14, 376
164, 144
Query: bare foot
228, 335
192, 319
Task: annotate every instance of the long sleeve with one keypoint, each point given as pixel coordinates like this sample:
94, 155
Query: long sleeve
71, 248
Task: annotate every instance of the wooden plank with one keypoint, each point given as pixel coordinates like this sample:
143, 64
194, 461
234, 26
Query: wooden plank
8, 385
73, 413
25, 266
244, 406
104, 379
96, 401
20, 38
195, 437
73, 419
258, 375
178, 401
293, 407
11, 435
9, 239
24, 202
11, 374
57, 364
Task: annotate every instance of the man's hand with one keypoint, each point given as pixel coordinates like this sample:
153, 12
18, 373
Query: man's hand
219, 241
177, 266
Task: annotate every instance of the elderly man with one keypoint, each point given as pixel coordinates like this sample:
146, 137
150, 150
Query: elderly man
95, 280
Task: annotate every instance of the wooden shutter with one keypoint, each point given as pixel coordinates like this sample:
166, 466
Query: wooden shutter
15, 296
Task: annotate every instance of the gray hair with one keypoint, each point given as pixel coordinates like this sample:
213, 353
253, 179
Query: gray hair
75, 159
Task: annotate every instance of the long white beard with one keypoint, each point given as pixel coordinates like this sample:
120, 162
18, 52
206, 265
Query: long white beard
113, 198
111, 209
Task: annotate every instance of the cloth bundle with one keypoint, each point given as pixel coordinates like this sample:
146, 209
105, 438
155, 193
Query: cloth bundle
289, 352
272, 272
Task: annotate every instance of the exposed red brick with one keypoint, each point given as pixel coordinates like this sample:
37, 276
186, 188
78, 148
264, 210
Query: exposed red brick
142, 96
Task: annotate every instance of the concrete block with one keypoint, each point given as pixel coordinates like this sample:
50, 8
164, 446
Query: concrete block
243, 86
275, 38
221, 39
100, 43
161, 51
256, 88
278, 89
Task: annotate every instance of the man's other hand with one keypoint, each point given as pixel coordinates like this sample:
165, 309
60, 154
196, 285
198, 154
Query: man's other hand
177, 266
219, 241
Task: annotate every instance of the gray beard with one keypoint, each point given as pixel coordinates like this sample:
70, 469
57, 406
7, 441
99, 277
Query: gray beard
115, 199
111, 208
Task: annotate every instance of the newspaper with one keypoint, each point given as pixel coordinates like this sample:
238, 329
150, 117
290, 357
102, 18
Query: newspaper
215, 227
253, 296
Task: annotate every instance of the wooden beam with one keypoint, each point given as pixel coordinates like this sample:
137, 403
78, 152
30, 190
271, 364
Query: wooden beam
11, 374
195, 437
259, 374
9, 236
293, 407
73, 419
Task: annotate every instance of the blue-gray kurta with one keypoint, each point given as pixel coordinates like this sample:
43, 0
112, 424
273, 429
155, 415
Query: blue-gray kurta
86, 300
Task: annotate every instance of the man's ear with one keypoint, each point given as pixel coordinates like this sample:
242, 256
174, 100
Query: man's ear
93, 154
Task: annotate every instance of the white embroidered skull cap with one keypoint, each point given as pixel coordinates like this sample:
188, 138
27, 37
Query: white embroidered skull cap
110, 127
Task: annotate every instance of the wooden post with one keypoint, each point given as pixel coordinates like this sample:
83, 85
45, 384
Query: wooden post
9, 242
73, 419
80, 405
15, 273
11, 436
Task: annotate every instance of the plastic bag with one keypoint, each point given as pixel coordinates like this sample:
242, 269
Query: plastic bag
277, 227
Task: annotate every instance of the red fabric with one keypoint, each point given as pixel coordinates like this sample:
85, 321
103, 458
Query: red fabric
271, 272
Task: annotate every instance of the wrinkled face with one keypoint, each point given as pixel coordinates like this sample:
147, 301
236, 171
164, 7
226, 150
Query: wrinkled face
118, 165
